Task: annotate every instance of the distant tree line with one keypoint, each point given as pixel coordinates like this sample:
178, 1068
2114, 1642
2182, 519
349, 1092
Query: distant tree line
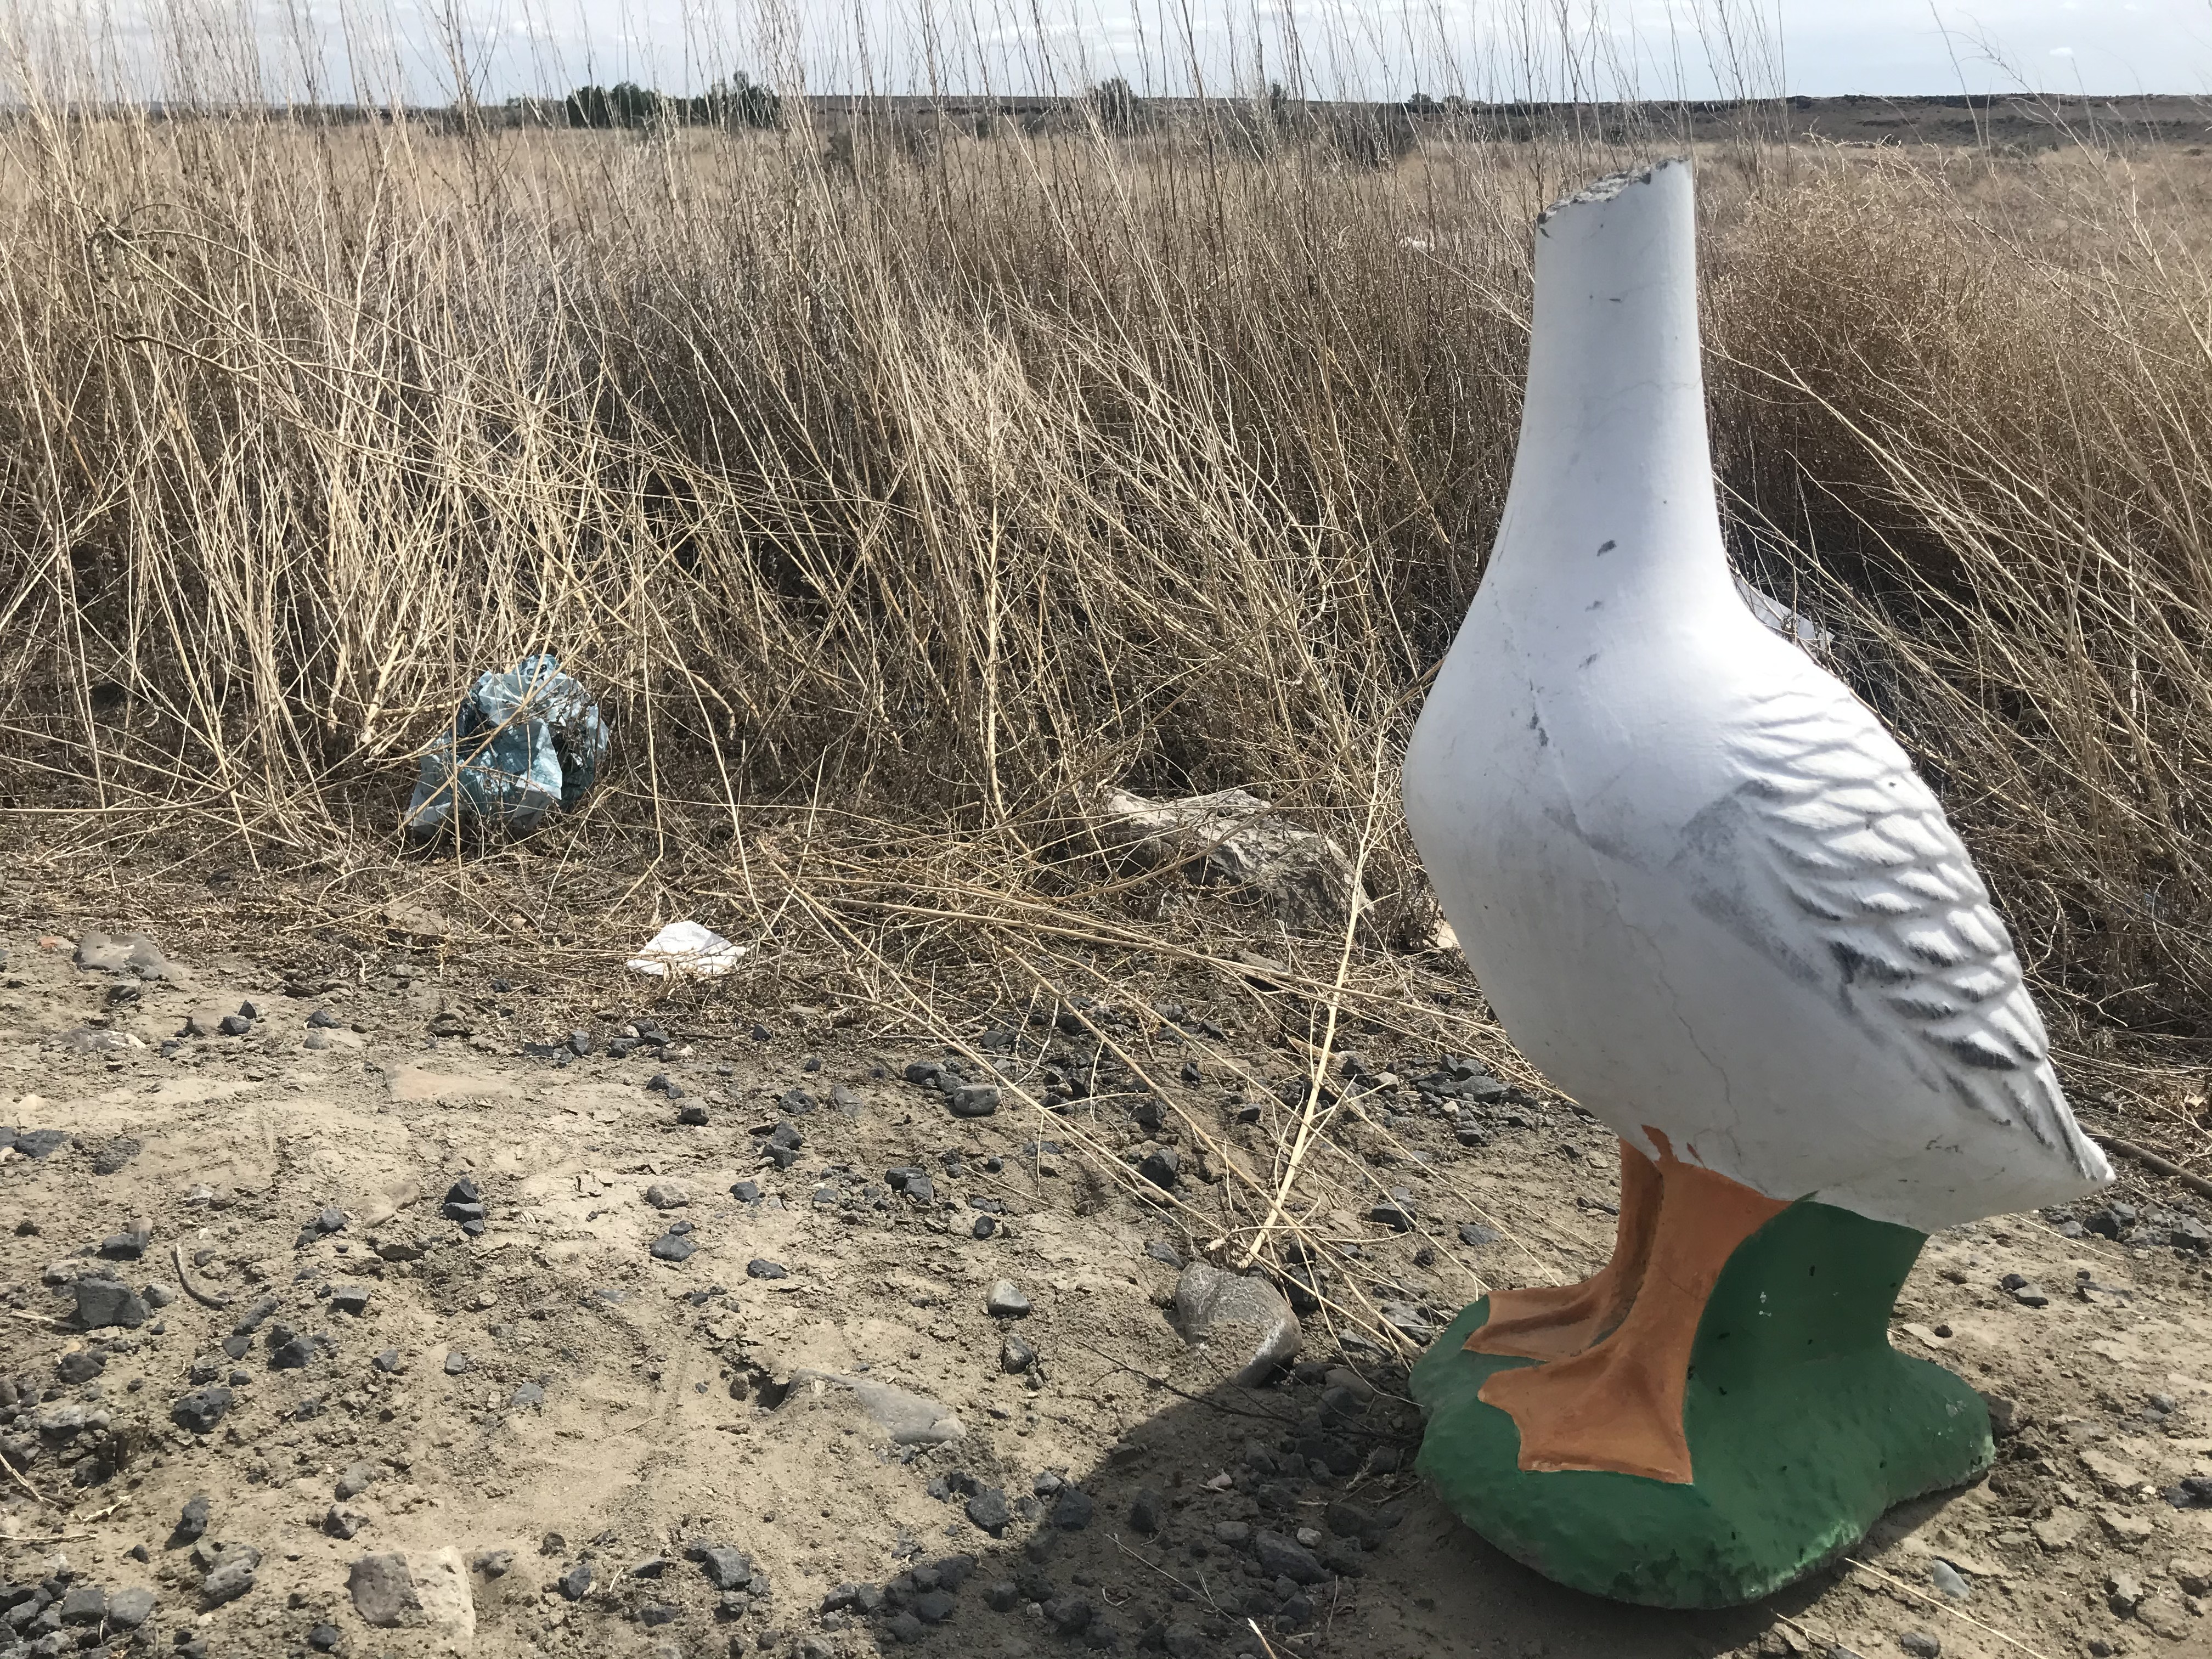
738, 102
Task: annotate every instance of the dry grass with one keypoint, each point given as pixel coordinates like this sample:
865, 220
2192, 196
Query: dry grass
896, 494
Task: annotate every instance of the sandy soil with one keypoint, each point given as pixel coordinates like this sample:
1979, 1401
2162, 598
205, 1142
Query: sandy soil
550, 1394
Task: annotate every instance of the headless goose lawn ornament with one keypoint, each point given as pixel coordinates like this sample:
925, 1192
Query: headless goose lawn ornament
1707, 894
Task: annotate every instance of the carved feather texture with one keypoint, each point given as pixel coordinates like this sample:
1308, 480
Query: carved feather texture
1880, 879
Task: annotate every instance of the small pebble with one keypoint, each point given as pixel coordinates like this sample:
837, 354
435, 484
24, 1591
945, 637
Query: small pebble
987, 1509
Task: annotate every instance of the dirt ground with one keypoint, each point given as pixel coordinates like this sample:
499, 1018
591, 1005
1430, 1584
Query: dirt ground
547, 1395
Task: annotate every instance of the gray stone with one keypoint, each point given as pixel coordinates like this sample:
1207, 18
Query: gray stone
1285, 1558
904, 1628
1160, 1165
40, 1144
760, 1267
1919, 1643
342, 1523
383, 1590
973, 1100
666, 1195
129, 1609
1246, 1319
1008, 1301
92, 1040
987, 1509
102, 1303
726, 1569
233, 1578
296, 1353
1015, 1356
910, 1419
1396, 1213
447, 1602
84, 1604
1184, 1640
673, 1247
1073, 1510
356, 1479
1067, 1614
192, 1523
201, 1410
123, 953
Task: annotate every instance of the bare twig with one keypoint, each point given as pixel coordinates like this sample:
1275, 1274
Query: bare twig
2150, 1160
1897, 1583
205, 1298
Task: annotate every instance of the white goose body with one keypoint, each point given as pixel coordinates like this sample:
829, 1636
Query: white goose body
1700, 884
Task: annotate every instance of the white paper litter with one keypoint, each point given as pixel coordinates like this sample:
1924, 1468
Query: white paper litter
685, 947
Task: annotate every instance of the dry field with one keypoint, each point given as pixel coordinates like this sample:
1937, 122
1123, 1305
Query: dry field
896, 487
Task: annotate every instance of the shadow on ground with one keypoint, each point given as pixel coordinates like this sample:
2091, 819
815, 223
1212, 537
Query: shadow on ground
1279, 1520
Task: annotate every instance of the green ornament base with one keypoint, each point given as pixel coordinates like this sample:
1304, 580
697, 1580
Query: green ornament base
1804, 1426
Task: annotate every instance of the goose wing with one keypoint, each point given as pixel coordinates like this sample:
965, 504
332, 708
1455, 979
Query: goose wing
1869, 883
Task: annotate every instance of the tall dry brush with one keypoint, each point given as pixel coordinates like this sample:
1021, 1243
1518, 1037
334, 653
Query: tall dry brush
938, 474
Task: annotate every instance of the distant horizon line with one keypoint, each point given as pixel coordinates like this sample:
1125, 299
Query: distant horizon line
1415, 103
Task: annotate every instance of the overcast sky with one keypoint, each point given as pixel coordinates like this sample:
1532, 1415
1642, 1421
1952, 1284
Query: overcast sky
1355, 48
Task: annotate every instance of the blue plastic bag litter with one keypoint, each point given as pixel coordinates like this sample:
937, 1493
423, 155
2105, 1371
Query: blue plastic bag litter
523, 743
